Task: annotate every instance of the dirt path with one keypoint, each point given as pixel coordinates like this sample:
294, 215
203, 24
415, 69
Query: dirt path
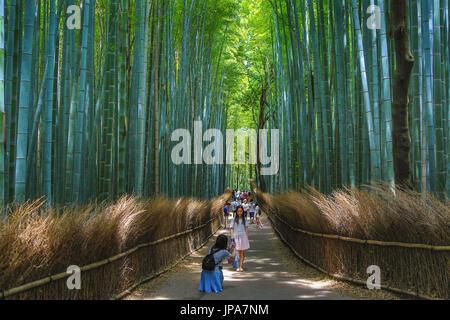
272, 273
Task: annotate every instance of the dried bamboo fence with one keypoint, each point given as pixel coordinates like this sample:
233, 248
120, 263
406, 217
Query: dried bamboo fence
118, 275
414, 269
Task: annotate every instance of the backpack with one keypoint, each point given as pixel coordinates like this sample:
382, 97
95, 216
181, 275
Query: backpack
208, 263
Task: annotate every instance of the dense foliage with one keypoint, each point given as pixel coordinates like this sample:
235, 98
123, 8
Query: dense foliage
89, 102
332, 91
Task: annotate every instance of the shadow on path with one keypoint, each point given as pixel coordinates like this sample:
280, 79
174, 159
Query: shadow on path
265, 276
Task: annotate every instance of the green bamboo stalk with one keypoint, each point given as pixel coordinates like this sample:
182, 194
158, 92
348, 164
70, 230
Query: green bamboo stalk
12, 122
24, 103
386, 100
48, 108
321, 108
416, 132
80, 121
2, 106
438, 102
340, 91
374, 154
428, 76
9, 112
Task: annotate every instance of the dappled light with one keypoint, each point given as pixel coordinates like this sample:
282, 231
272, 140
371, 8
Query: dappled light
224, 149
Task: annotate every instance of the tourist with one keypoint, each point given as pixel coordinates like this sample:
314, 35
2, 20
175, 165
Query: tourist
239, 235
226, 214
234, 205
251, 210
259, 224
212, 281
245, 207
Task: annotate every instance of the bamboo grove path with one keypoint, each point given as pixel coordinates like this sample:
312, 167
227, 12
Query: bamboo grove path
267, 276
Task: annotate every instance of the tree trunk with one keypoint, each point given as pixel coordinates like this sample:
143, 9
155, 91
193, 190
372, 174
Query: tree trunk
404, 65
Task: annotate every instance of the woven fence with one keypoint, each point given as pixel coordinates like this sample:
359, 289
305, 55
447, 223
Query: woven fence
184, 228
413, 269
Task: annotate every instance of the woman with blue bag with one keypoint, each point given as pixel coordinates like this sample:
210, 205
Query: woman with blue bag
212, 280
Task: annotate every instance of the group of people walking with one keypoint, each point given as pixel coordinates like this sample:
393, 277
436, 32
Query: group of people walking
241, 195
250, 209
236, 211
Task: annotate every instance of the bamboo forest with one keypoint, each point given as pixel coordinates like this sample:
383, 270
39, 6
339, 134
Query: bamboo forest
121, 122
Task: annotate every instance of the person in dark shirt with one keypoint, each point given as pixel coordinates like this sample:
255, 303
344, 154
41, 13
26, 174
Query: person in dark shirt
226, 214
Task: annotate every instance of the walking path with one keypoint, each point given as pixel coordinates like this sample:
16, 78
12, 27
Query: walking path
266, 276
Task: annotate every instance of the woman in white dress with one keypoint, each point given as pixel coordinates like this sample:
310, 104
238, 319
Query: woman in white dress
239, 235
